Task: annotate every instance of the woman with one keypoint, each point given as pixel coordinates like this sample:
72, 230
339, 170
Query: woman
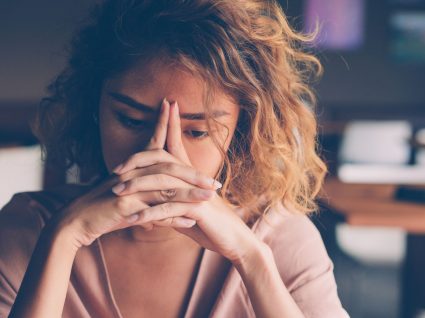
190, 119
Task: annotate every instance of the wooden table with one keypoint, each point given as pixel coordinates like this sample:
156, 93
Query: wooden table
374, 205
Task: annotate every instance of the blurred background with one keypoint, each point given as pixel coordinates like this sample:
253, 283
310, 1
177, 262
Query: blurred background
371, 111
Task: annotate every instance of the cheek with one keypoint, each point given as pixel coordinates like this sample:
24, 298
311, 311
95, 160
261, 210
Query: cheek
205, 159
118, 143
205, 156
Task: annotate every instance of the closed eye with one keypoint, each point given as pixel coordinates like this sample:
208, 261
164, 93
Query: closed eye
134, 124
137, 125
197, 134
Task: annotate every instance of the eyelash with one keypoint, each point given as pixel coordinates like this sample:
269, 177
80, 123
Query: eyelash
141, 124
204, 134
134, 123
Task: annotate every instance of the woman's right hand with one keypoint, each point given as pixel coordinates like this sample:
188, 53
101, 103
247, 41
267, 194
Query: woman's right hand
165, 178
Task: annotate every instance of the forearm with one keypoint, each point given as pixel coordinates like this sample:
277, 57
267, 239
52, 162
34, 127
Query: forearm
45, 283
267, 292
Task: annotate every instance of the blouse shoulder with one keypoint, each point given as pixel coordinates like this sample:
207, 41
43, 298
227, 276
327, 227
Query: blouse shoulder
29, 211
302, 261
19, 224
25, 214
21, 221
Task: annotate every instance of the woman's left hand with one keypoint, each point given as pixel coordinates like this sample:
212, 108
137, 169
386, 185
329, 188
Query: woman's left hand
218, 226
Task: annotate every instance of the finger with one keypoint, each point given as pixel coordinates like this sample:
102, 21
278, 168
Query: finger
149, 183
185, 173
127, 209
178, 221
171, 209
145, 158
158, 139
148, 226
174, 135
176, 195
131, 219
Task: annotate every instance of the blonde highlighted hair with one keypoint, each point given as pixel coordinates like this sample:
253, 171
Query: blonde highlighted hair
245, 48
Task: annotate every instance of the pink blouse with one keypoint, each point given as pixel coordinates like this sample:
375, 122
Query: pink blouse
218, 290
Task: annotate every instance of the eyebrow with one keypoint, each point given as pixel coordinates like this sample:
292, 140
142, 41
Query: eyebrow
151, 109
132, 103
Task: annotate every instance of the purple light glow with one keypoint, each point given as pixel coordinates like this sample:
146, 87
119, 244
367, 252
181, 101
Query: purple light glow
341, 23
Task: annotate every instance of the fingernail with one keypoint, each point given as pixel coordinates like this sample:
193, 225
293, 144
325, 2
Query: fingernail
118, 188
133, 218
187, 222
204, 194
164, 101
175, 108
118, 168
216, 184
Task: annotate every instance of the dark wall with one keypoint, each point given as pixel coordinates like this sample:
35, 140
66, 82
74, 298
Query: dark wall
32, 35
368, 79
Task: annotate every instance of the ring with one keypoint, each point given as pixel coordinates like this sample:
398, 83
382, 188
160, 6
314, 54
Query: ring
169, 193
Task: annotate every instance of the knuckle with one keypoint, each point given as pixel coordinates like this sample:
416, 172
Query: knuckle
148, 226
199, 175
160, 178
193, 193
165, 209
122, 178
129, 185
122, 204
136, 182
199, 205
169, 167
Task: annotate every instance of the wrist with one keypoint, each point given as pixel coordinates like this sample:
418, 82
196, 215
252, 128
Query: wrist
62, 233
257, 256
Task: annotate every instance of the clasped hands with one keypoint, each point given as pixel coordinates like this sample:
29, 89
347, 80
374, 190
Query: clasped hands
179, 195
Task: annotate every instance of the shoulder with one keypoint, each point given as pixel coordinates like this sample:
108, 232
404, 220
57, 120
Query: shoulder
296, 244
19, 230
21, 221
302, 261
24, 215
31, 209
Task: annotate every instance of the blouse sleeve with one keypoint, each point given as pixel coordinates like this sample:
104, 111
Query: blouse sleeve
305, 267
19, 230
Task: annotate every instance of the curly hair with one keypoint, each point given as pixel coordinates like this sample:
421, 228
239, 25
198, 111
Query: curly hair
245, 48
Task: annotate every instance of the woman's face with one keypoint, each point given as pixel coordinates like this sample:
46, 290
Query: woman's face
129, 109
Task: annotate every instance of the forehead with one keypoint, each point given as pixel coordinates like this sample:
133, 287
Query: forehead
149, 82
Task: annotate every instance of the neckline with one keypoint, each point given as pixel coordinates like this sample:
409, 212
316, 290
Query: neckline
111, 297
189, 304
